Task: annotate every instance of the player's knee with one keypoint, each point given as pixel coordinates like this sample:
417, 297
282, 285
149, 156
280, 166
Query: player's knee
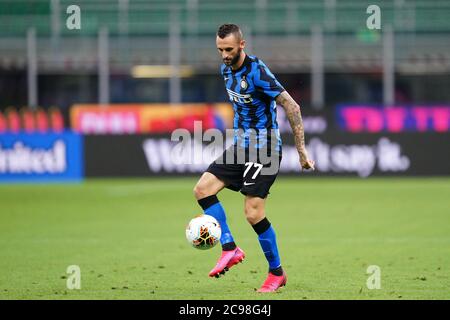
198, 191
201, 191
253, 217
253, 212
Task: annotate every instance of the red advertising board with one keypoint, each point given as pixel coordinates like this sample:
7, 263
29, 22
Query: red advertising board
147, 118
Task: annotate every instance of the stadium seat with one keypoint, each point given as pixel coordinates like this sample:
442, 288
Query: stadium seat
13, 120
3, 123
56, 120
27, 120
42, 123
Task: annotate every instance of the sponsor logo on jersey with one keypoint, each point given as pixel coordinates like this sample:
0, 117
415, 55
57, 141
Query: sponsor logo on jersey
238, 97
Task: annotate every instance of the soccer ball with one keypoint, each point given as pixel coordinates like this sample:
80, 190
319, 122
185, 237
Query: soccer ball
203, 232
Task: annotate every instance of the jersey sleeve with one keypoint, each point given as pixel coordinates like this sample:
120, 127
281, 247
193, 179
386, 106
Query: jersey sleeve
266, 82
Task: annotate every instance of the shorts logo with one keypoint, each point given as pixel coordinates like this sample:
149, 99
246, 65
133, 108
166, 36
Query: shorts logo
248, 184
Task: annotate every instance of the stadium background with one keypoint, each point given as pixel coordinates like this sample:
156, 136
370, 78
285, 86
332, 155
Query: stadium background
100, 101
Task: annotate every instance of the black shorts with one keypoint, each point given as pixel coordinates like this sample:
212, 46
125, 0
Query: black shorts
252, 176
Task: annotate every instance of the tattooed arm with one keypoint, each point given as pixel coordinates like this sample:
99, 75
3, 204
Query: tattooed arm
295, 119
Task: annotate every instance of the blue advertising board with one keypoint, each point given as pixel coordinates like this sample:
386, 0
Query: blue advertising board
41, 157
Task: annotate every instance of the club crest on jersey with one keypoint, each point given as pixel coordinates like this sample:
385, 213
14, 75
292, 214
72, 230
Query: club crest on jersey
244, 84
239, 97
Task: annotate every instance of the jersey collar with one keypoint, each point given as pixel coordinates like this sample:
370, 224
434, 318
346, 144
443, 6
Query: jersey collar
246, 61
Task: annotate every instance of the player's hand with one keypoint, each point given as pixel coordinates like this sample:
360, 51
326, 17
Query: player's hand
305, 162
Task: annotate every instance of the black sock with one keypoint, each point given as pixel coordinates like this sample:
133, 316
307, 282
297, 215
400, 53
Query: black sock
261, 226
277, 271
229, 246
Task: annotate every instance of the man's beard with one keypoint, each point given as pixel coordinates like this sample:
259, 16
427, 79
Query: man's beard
235, 59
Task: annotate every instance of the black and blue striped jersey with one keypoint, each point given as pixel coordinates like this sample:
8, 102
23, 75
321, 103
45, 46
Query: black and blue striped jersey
252, 90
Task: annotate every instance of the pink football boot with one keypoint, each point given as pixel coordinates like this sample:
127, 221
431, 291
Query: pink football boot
273, 283
226, 261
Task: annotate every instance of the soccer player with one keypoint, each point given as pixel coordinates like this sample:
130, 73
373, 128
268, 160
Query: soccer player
251, 164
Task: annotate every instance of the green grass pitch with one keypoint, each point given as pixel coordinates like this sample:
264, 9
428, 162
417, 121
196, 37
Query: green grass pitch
127, 237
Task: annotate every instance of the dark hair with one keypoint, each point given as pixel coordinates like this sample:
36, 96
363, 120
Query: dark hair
227, 29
